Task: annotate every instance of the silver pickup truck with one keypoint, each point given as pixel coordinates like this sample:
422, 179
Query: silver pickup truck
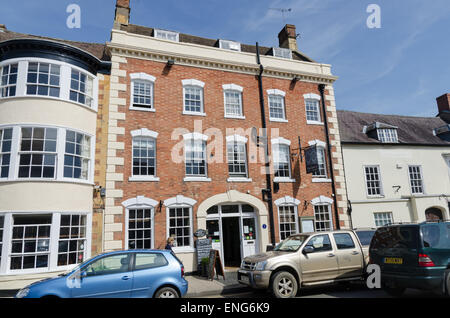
305, 260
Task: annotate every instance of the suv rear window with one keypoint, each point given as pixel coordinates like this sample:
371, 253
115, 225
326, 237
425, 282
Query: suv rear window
396, 237
436, 235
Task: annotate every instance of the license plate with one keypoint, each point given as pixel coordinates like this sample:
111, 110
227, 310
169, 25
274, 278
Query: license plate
393, 260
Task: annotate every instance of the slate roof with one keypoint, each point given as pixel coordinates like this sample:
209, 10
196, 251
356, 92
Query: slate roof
411, 130
96, 49
187, 38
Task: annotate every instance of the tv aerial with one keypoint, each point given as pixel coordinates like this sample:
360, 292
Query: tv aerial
283, 12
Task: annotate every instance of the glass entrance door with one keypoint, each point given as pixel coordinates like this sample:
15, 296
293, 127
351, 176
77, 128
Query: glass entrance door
249, 237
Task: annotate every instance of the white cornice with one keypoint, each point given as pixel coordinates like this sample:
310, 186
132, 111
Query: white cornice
144, 47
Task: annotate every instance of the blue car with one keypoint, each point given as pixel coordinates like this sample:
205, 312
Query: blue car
119, 274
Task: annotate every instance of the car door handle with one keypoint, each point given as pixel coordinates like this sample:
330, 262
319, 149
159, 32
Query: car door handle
355, 253
331, 255
125, 277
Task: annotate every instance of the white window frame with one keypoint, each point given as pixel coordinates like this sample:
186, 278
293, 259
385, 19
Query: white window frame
147, 78
277, 93
276, 142
5, 153
60, 153
193, 83
143, 203
64, 81
379, 180
411, 180
387, 135
181, 201
7, 86
164, 35
5, 264
321, 146
288, 201
243, 141
228, 45
146, 133
383, 217
235, 89
314, 98
190, 137
76, 155
322, 201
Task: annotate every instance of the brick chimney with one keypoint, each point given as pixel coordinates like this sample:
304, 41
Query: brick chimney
122, 15
443, 103
287, 37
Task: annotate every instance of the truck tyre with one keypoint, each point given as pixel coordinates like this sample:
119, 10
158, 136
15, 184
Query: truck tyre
284, 285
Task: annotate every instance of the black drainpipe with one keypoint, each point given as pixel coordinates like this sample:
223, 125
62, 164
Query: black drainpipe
325, 122
268, 190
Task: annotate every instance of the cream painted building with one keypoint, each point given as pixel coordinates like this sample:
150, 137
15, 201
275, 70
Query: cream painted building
396, 168
48, 125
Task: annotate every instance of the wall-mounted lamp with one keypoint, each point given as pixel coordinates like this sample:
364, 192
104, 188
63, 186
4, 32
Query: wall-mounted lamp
170, 62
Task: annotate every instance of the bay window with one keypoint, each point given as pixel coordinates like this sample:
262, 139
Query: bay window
45, 153
43, 79
81, 88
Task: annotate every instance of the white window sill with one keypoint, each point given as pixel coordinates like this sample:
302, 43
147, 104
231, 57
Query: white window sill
197, 179
321, 180
239, 179
194, 113
234, 117
283, 180
143, 109
143, 179
375, 196
312, 122
183, 249
278, 120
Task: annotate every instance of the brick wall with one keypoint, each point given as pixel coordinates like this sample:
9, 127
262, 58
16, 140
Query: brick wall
168, 102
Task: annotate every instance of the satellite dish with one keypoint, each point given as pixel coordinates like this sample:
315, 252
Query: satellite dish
254, 135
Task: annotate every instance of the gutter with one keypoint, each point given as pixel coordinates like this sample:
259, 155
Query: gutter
268, 190
327, 135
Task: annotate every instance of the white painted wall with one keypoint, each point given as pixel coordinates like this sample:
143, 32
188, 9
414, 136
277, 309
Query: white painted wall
393, 162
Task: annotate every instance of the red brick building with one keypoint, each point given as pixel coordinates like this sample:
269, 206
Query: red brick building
180, 152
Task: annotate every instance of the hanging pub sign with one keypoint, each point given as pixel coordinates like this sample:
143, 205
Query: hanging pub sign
312, 164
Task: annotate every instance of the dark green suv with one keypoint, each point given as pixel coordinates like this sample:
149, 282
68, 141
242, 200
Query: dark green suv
413, 256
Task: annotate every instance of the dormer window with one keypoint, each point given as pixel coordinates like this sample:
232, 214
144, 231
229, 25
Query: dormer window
167, 35
281, 52
230, 45
382, 132
387, 135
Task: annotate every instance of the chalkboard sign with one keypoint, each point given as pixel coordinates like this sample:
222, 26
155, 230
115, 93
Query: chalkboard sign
203, 247
215, 265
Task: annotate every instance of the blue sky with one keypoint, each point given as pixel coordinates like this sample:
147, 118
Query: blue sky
398, 69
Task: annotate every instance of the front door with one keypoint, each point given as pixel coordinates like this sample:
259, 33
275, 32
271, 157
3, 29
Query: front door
249, 246
231, 241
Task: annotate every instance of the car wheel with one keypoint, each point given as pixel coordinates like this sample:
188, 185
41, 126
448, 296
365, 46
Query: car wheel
284, 285
167, 292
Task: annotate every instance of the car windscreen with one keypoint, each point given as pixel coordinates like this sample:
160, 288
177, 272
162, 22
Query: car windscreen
436, 235
396, 237
291, 244
365, 237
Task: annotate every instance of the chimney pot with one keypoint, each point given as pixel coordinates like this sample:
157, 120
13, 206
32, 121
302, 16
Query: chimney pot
287, 38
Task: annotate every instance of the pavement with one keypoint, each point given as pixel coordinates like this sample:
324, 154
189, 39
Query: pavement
204, 287
198, 286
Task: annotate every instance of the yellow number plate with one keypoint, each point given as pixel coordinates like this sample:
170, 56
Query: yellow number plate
393, 260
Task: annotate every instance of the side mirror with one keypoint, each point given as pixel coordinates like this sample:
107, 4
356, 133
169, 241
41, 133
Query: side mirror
307, 250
